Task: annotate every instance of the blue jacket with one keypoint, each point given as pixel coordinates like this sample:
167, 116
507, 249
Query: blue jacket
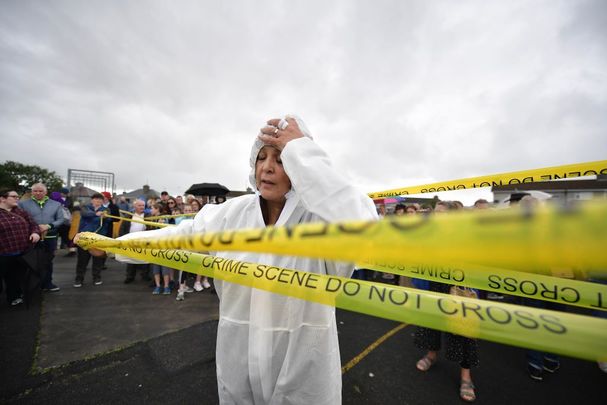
51, 213
90, 222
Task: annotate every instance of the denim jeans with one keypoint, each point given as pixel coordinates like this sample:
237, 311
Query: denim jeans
536, 358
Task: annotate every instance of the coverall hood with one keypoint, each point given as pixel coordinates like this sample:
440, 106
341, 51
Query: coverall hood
258, 144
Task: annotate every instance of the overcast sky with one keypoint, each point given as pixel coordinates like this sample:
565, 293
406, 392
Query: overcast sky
398, 93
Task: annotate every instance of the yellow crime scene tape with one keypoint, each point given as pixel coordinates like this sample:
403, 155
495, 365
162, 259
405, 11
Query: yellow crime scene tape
501, 179
567, 334
570, 292
526, 285
162, 216
513, 239
173, 216
156, 224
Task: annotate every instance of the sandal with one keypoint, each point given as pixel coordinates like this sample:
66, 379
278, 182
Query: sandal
466, 391
425, 363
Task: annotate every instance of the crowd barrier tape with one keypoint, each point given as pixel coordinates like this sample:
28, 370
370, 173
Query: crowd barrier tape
513, 239
555, 332
527, 285
156, 224
501, 179
162, 216
173, 216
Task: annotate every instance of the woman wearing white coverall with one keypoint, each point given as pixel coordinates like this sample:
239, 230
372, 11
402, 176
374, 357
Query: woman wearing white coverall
273, 349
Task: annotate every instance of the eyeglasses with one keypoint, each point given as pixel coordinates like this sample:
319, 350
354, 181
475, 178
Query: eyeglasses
171, 203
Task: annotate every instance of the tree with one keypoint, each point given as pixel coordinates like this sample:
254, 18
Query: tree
21, 178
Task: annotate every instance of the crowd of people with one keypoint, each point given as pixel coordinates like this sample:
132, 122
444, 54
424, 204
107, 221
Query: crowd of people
103, 212
40, 222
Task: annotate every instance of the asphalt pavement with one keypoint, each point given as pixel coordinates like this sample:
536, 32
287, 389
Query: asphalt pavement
117, 343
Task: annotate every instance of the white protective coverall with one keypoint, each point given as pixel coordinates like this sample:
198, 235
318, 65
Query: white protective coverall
273, 349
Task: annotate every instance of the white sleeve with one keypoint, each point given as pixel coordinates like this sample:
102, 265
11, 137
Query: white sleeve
184, 228
323, 190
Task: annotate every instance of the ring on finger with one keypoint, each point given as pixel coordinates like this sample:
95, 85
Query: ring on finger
283, 124
276, 131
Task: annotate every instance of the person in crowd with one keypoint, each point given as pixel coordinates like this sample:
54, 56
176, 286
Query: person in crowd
65, 232
64, 229
399, 210
149, 204
161, 286
177, 211
274, 349
183, 276
164, 197
539, 362
411, 209
481, 204
111, 209
123, 204
196, 205
171, 206
381, 210
48, 214
458, 348
201, 282
18, 233
179, 200
91, 220
127, 227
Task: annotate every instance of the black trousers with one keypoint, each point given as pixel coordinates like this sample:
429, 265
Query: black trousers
131, 271
12, 270
83, 260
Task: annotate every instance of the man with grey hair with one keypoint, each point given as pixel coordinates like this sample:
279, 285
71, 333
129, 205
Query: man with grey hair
48, 214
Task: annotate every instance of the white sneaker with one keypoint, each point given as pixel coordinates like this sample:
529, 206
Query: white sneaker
188, 289
198, 287
180, 296
17, 301
205, 283
603, 366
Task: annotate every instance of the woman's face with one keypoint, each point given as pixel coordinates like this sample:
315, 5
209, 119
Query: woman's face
270, 177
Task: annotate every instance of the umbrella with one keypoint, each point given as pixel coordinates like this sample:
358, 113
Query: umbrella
210, 189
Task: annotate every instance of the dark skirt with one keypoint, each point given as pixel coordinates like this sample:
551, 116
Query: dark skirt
459, 348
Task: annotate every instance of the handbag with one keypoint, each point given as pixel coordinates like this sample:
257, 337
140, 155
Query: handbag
463, 291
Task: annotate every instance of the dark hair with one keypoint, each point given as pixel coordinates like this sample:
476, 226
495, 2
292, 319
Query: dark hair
4, 192
164, 193
97, 195
399, 207
162, 209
